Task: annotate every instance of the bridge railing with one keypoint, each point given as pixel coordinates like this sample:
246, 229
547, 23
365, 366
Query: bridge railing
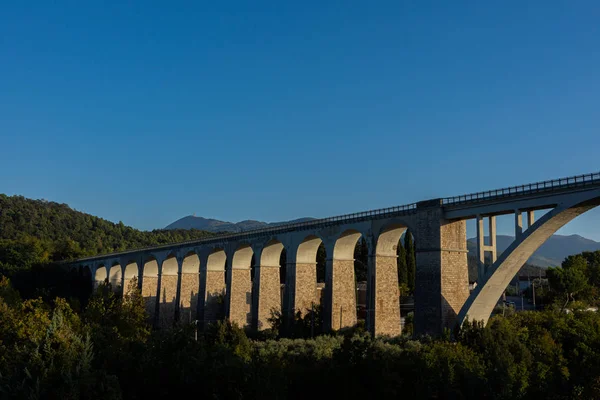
552, 185
279, 228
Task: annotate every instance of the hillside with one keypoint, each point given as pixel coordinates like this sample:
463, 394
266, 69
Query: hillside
215, 225
56, 231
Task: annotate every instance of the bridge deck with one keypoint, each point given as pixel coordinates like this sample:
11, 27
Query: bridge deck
520, 192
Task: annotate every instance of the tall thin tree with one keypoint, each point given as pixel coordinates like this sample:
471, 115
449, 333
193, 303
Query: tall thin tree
411, 263
402, 270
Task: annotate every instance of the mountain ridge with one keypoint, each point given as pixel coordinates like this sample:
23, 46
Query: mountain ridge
215, 225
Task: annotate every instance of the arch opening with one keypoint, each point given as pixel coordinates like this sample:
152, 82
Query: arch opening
100, 275
115, 277
130, 277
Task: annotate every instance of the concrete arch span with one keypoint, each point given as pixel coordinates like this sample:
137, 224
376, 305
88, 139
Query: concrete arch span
482, 301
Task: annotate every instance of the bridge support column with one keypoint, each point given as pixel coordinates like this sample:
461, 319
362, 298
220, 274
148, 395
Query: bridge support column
212, 296
340, 294
239, 296
267, 287
384, 308
442, 276
302, 292
156, 313
188, 298
482, 248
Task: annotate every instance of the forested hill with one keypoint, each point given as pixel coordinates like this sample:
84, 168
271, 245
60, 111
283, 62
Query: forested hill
53, 231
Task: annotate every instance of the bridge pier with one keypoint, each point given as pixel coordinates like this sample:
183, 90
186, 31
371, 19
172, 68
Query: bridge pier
268, 295
340, 294
302, 288
442, 276
385, 304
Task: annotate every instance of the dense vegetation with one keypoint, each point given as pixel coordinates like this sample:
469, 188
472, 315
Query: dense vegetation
48, 231
107, 351
57, 342
36, 233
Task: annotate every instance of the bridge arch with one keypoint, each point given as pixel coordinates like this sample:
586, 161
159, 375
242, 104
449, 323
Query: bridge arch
115, 276
100, 275
130, 276
482, 300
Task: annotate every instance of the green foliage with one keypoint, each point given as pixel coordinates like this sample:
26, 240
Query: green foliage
53, 346
578, 278
402, 267
39, 231
411, 262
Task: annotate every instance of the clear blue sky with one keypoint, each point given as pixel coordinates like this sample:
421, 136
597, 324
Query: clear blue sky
146, 112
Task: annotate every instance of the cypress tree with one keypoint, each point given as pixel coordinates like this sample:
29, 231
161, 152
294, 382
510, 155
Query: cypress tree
402, 270
411, 263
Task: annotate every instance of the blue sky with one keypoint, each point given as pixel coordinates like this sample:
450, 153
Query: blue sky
252, 110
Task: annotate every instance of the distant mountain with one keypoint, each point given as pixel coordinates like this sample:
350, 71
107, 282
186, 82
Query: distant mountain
551, 253
214, 225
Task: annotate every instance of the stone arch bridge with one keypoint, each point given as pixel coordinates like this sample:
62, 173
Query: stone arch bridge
185, 281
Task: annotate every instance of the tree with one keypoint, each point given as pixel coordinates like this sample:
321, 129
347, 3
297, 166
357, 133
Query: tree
411, 263
568, 280
402, 268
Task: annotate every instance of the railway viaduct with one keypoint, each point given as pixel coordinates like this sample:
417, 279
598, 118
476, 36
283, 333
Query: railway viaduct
185, 281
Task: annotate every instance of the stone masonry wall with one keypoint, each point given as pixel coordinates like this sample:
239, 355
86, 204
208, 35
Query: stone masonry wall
343, 294
306, 288
387, 302
442, 285
455, 271
428, 287
240, 297
188, 300
215, 289
168, 293
149, 294
269, 294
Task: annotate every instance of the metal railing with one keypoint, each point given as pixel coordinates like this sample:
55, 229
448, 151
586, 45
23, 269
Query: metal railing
552, 185
279, 228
